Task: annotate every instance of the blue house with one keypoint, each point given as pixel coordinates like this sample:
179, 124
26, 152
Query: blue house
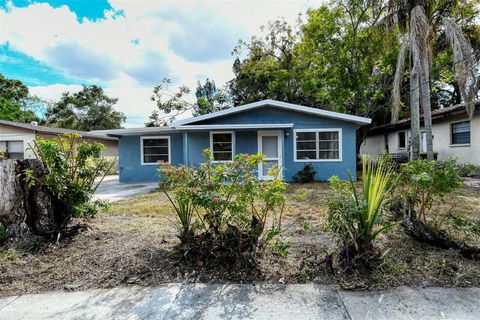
289, 135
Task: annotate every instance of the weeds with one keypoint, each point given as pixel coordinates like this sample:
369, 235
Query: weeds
222, 209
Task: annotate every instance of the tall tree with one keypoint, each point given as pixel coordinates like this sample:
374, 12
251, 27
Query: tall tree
210, 98
269, 69
88, 109
341, 58
171, 104
421, 38
16, 104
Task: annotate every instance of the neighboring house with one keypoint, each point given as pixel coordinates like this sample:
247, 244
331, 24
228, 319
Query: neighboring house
289, 135
454, 136
16, 138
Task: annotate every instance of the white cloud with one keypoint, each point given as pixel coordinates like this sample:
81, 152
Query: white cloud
53, 91
127, 54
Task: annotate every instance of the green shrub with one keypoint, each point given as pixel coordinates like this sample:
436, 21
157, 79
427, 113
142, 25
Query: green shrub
3, 233
72, 168
466, 169
357, 217
229, 204
425, 183
307, 174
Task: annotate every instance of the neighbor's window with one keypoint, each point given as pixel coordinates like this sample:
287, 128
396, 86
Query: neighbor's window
317, 145
155, 149
222, 146
12, 149
401, 139
460, 132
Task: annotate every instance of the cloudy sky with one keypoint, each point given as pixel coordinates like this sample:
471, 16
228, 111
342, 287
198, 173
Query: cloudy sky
128, 46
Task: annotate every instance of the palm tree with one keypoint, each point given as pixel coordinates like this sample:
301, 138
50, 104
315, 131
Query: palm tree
419, 42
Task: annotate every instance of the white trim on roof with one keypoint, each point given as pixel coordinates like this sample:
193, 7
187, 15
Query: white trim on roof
279, 104
236, 126
135, 131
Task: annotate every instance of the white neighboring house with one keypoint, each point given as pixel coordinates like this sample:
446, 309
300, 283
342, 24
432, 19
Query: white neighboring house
454, 136
16, 138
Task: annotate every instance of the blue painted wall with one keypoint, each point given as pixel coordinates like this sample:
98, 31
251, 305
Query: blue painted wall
129, 154
300, 121
189, 145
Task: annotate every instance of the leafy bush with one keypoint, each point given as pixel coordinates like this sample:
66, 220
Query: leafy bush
356, 218
222, 208
3, 233
460, 224
466, 169
307, 174
425, 183
72, 167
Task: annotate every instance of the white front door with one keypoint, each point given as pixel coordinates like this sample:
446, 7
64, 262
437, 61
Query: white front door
270, 144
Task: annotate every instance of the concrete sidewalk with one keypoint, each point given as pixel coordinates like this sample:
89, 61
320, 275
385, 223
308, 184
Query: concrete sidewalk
241, 301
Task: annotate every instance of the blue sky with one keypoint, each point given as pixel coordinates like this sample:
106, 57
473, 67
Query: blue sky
128, 46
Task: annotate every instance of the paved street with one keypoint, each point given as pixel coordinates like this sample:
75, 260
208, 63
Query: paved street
242, 301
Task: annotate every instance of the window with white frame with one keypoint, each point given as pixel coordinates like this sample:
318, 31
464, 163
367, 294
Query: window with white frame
155, 149
317, 145
221, 145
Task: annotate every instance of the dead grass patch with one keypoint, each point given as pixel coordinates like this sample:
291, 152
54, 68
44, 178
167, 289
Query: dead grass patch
133, 242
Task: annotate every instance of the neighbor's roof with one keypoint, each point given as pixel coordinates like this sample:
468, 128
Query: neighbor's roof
134, 131
54, 131
437, 115
279, 104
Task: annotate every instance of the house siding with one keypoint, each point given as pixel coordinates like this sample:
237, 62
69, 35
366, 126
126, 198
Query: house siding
324, 170
130, 167
187, 147
374, 145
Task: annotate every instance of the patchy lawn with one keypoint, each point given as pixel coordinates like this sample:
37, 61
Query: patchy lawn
133, 243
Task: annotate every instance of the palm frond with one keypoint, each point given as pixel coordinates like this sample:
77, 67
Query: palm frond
419, 40
464, 63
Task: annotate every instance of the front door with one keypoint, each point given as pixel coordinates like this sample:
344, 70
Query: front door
270, 144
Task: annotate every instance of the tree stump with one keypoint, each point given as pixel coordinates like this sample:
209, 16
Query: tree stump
23, 209
13, 211
40, 215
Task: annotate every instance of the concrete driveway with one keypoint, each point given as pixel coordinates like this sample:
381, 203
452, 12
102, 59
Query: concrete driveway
244, 301
112, 190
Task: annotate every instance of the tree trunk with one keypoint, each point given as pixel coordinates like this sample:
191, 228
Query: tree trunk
425, 233
427, 113
415, 114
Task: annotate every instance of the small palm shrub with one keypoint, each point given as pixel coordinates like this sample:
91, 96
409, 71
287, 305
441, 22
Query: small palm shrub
357, 217
222, 208
72, 169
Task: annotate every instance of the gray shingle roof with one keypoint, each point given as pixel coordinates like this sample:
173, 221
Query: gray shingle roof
53, 130
437, 115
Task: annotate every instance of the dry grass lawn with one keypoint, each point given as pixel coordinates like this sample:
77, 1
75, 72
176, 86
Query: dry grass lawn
134, 243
